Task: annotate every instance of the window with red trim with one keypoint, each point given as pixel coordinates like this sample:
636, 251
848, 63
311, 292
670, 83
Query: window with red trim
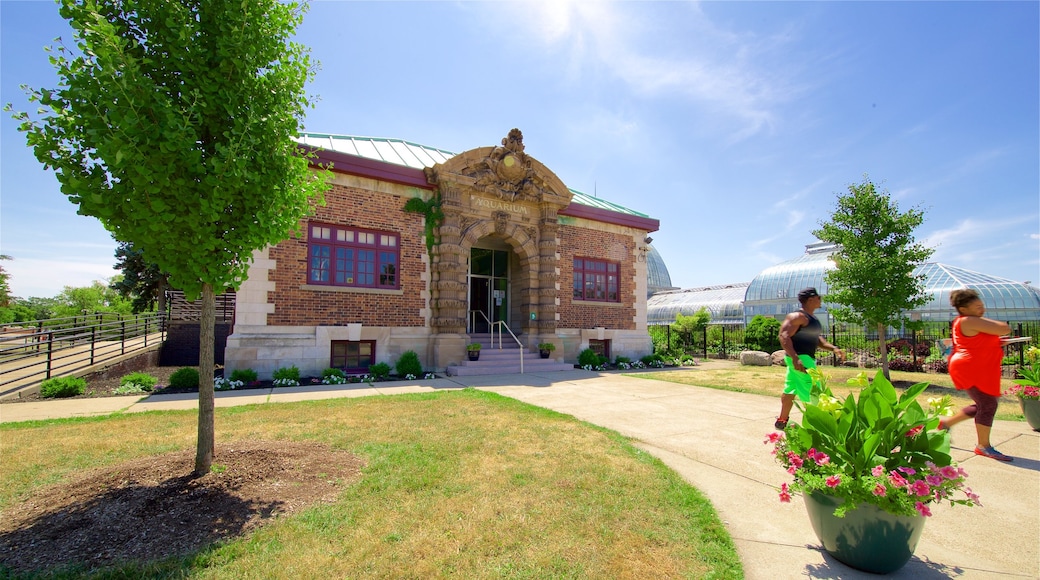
596, 280
347, 256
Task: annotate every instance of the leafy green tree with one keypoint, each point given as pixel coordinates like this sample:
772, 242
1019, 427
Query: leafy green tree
876, 255
5, 288
26, 309
143, 283
98, 297
173, 125
763, 333
687, 327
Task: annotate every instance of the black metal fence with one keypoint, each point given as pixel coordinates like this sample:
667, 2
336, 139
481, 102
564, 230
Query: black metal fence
918, 350
31, 352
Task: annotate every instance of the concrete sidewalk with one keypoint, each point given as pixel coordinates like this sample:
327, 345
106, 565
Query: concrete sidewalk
714, 440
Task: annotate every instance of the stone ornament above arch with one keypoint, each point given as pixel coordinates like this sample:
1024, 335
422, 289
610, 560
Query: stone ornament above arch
505, 172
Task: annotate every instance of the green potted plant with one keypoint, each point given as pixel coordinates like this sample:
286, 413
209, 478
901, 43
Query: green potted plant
869, 469
1027, 388
545, 349
473, 350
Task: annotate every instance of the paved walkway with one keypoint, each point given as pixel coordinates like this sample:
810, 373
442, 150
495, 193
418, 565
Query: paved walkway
714, 440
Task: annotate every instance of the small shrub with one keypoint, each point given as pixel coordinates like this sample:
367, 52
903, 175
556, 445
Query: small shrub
409, 364
185, 378
331, 372
940, 366
144, 381
285, 373
379, 371
245, 375
905, 365
588, 357
61, 387
905, 347
130, 389
620, 360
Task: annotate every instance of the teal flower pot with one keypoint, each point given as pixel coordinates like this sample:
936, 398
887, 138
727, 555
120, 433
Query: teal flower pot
867, 538
1031, 409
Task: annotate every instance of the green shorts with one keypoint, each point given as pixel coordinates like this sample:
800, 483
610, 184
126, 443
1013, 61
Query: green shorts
797, 382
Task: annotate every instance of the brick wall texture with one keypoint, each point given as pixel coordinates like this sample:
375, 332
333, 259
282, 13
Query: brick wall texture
585, 243
360, 208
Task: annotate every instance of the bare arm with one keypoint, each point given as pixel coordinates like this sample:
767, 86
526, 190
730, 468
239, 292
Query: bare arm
972, 325
788, 327
828, 346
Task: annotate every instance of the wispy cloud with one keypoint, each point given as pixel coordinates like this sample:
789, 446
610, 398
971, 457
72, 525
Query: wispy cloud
46, 278
723, 70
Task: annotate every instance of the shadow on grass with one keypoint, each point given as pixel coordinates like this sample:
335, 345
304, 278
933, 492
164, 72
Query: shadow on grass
135, 523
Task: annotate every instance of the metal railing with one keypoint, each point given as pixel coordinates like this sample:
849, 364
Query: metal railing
500, 324
32, 352
921, 348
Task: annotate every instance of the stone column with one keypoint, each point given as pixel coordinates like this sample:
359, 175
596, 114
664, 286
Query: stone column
547, 276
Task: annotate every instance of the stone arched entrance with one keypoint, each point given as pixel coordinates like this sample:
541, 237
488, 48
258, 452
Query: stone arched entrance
503, 194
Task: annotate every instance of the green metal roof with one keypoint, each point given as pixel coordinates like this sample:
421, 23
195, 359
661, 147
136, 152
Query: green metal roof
416, 156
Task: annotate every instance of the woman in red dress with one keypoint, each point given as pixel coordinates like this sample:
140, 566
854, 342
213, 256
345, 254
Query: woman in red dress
975, 366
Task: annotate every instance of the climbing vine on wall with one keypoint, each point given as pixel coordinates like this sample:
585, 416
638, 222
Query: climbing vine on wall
431, 210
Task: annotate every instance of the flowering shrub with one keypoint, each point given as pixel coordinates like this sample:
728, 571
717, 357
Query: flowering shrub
286, 382
222, 384
429, 376
334, 380
883, 449
1027, 385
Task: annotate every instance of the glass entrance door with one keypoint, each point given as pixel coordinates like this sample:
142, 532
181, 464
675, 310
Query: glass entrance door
488, 289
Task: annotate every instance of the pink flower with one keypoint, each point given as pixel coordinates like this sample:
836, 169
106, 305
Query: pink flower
878, 471
949, 472
879, 490
934, 479
896, 480
833, 481
785, 493
792, 470
920, 488
773, 437
922, 509
971, 496
795, 459
915, 431
907, 470
822, 458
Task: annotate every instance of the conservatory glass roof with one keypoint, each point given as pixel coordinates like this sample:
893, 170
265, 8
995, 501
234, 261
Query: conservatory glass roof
408, 154
723, 303
774, 291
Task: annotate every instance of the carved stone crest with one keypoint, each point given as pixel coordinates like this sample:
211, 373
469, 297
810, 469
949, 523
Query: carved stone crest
509, 173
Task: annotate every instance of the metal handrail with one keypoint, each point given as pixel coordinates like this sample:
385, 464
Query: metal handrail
501, 324
33, 351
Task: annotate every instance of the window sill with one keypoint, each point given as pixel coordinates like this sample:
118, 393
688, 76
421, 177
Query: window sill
351, 290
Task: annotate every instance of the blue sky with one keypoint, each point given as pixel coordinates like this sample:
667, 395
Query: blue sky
733, 123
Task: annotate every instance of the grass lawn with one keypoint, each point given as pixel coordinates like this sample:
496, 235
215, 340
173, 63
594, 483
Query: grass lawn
459, 484
770, 381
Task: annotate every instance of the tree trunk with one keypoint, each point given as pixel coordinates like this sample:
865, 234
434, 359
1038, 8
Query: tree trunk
884, 350
204, 452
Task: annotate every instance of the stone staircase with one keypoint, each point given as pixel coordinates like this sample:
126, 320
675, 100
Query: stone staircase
495, 361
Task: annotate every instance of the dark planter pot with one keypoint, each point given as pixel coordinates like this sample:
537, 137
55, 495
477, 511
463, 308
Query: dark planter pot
867, 538
544, 353
473, 354
1031, 409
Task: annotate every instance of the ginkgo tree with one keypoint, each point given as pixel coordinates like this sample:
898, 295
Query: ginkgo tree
874, 282
173, 124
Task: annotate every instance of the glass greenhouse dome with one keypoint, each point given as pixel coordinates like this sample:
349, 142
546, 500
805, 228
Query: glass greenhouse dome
657, 277
722, 302
774, 291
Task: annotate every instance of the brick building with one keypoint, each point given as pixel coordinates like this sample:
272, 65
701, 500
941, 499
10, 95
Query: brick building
489, 237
